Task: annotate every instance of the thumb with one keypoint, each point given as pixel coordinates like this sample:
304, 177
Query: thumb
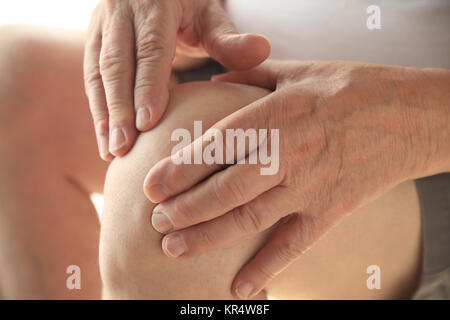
266, 75
223, 42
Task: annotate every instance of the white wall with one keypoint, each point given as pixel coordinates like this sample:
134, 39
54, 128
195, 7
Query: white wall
67, 14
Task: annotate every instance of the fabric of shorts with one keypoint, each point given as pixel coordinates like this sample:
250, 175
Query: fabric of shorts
434, 198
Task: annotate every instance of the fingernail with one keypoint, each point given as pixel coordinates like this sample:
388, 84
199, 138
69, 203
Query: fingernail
174, 245
161, 222
244, 290
118, 139
264, 36
103, 146
143, 118
156, 193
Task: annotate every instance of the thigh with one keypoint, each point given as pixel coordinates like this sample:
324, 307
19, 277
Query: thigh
385, 233
43, 104
132, 262
48, 168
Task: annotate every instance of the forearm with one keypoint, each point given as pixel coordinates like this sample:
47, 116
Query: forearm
424, 95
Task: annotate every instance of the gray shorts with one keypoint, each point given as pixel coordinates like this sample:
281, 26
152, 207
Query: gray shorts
434, 198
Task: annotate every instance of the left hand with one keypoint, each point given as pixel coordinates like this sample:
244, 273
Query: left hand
345, 138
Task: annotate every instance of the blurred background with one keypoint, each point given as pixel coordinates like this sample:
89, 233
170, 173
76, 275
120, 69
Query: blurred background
72, 14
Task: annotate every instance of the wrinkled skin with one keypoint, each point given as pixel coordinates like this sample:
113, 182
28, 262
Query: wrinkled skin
349, 132
130, 50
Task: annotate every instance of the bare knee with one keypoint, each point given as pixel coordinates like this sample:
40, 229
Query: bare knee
132, 263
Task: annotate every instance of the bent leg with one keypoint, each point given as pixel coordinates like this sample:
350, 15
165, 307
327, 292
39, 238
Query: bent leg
133, 265
48, 168
385, 233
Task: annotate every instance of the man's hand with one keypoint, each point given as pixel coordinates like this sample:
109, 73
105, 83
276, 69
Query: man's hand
130, 47
348, 133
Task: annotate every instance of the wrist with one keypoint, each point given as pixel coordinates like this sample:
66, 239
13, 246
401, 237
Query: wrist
424, 97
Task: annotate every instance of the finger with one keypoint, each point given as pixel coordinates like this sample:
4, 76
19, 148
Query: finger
117, 70
253, 217
168, 178
155, 50
267, 75
224, 43
96, 93
288, 244
225, 190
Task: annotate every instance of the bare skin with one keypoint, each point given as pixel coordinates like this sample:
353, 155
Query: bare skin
130, 50
48, 223
349, 132
385, 232
48, 168
352, 131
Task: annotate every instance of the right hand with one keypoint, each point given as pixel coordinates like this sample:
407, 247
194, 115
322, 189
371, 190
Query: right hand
130, 48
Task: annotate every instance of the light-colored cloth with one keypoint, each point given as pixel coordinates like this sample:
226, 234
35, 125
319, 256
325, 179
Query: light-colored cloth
413, 32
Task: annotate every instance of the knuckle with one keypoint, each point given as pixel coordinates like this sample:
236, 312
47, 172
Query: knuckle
111, 62
288, 251
151, 48
149, 42
229, 190
99, 116
182, 215
114, 7
101, 124
92, 79
115, 109
218, 192
247, 220
143, 84
207, 239
147, 80
263, 274
119, 112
